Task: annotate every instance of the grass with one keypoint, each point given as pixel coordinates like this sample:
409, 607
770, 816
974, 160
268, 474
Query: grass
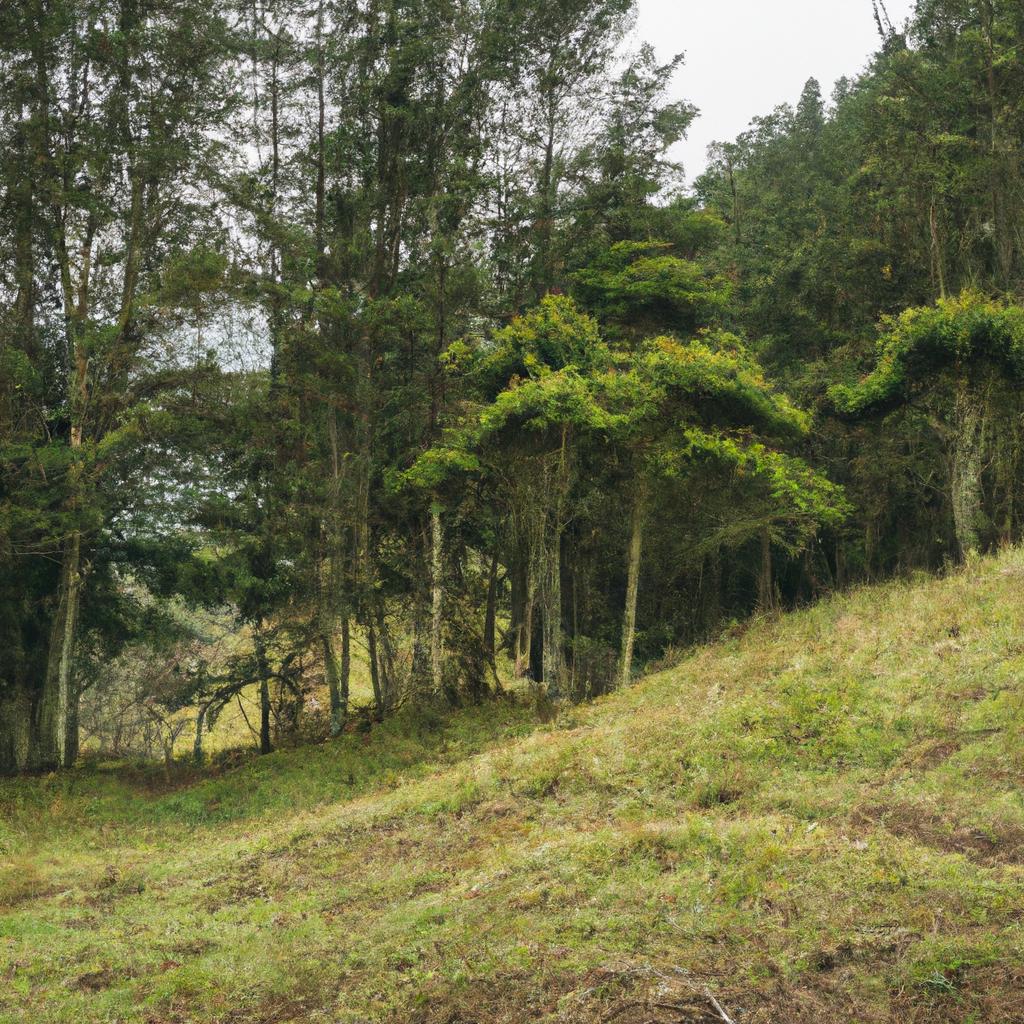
819, 819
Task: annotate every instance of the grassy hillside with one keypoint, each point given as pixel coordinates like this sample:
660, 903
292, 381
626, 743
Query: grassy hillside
818, 820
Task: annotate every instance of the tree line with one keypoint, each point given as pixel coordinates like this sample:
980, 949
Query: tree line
387, 328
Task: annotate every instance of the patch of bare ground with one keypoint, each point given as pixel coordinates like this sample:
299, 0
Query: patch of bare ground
997, 845
508, 998
640, 996
975, 995
97, 981
643, 995
931, 755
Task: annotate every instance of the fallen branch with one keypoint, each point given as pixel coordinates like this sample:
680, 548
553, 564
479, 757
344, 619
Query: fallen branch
677, 976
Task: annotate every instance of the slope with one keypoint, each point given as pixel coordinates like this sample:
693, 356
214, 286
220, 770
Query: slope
819, 818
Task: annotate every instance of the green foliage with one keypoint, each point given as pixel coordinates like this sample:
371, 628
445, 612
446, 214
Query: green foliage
693, 382
797, 492
960, 338
552, 336
260, 331
642, 286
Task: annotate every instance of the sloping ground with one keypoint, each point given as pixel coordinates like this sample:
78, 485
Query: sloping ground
819, 820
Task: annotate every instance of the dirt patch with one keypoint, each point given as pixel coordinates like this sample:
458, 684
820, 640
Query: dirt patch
1002, 844
497, 809
192, 948
933, 754
510, 998
612, 996
645, 995
97, 981
980, 995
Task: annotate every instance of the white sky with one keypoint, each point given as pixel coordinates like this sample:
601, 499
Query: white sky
744, 57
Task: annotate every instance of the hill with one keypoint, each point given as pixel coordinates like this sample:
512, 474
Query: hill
819, 818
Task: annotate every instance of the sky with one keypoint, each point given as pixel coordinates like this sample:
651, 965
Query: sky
745, 57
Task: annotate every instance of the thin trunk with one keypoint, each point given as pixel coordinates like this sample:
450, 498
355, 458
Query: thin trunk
386, 661
545, 274
490, 612
263, 667
840, 559
167, 742
1001, 235
346, 664
57, 718
524, 638
321, 170
765, 579
265, 745
965, 471
378, 696
436, 598
937, 257
551, 574
198, 756
551, 655
519, 575
714, 588
632, 583
421, 678
333, 677
57, 713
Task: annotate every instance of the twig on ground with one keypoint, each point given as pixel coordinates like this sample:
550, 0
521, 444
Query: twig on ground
726, 1019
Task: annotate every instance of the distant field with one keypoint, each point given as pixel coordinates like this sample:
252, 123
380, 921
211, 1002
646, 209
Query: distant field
819, 818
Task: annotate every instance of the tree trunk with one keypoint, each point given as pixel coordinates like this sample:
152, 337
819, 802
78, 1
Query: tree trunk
524, 637
551, 655
632, 584
263, 666
378, 695
198, 756
938, 259
265, 745
57, 713
346, 665
167, 742
712, 593
15, 731
765, 578
965, 471
436, 599
1002, 234
519, 581
333, 678
545, 270
419, 680
386, 662
490, 612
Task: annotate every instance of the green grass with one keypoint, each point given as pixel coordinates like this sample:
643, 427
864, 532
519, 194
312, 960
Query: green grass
819, 820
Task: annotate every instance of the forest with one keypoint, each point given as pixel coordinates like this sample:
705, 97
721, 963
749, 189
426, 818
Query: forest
384, 335
459, 565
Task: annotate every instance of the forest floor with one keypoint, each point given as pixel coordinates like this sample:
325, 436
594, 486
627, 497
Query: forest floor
819, 818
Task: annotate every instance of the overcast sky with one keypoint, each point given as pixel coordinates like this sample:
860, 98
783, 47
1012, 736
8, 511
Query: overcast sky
744, 57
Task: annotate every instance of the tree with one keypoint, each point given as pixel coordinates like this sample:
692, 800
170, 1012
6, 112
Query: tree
954, 356
114, 109
544, 371
687, 404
